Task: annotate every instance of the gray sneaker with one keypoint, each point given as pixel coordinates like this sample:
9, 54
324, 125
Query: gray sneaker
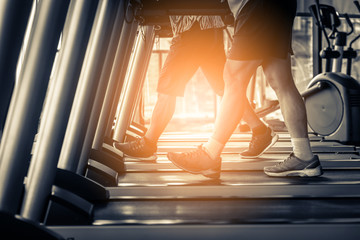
295, 167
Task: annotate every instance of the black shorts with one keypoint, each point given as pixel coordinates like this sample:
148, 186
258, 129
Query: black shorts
263, 29
190, 50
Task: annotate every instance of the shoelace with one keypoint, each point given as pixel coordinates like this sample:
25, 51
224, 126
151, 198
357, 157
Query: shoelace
136, 144
254, 141
286, 160
193, 153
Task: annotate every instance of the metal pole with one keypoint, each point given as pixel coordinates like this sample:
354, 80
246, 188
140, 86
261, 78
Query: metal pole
100, 93
116, 83
14, 15
57, 107
145, 42
125, 88
89, 80
143, 76
317, 46
27, 100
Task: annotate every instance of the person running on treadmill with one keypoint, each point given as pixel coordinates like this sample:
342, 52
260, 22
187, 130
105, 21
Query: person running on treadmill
197, 43
262, 36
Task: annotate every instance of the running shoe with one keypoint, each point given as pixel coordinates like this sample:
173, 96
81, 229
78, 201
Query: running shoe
139, 148
260, 143
197, 162
295, 167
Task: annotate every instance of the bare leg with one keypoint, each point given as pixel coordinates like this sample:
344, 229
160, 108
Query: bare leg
237, 75
250, 116
278, 74
302, 162
162, 114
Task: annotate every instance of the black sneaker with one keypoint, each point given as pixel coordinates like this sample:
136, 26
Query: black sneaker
139, 148
295, 167
197, 162
260, 143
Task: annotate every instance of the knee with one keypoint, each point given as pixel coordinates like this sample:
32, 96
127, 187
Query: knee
280, 83
274, 82
234, 82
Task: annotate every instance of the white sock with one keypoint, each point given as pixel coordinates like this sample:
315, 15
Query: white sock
213, 148
302, 148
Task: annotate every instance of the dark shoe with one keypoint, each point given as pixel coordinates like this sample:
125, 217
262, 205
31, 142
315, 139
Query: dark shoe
197, 162
139, 148
295, 167
260, 143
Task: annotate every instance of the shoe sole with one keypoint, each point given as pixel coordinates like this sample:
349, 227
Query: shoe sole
313, 172
273, 141
151, 158
209, 173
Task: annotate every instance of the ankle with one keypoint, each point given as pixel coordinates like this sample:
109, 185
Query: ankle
213, 148
259, 130
302, 148
150, 142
